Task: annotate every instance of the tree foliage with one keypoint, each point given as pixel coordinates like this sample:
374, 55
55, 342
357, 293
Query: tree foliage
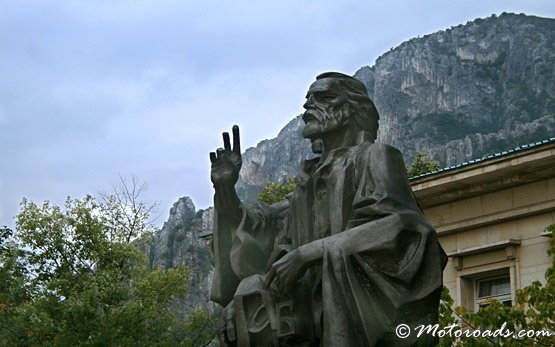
274, 192
422, 164
201, 328
534, 311
76, 276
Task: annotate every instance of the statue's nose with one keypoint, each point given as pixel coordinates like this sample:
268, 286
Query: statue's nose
309, 102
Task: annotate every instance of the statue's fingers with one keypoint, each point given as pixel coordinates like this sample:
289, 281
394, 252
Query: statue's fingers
275, 256
281, 284
269, 278
236, 140
227, 144
219, 152
212, 157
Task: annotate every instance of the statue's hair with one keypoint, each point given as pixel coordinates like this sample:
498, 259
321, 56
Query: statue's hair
364, 111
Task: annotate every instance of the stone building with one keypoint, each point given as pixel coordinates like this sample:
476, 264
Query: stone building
490, 215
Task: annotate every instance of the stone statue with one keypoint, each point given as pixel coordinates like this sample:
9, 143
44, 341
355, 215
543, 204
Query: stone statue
346, 258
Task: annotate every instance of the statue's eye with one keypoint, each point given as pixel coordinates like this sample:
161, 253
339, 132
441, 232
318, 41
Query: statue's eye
324, 96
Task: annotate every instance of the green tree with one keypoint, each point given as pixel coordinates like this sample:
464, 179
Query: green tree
76, 276
422, 164
201, 328
446, 317
274, 192
534, 310
14, 290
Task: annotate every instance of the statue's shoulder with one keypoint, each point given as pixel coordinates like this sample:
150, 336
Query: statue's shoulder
377, 149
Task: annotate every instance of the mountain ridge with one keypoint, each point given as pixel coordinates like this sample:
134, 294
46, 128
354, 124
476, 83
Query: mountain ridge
459, 94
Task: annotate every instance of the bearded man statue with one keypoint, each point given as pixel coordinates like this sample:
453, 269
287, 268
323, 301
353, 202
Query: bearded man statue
347, 258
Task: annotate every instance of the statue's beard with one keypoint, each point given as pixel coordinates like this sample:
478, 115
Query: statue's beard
324, 120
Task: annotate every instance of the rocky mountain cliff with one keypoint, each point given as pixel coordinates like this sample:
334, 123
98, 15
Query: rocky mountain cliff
467, 91
459, 94
178, 242
273, 160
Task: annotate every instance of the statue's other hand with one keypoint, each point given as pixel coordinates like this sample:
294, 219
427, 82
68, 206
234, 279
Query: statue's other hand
287, 270
226, 162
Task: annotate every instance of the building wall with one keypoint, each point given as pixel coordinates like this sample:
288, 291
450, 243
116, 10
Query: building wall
493, 234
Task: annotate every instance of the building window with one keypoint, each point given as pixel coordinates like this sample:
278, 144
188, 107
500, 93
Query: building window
478, 288
498, 288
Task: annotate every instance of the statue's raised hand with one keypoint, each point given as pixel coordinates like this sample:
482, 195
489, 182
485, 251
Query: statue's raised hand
226, 162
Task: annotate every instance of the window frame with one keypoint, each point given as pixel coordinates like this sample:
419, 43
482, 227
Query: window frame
483, 301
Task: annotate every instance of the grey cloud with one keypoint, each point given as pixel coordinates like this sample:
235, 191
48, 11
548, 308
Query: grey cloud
94, 89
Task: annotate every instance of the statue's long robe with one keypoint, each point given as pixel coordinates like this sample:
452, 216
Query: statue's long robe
382, 264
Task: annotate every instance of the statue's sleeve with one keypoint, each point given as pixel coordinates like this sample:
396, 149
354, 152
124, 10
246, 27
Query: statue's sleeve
243, 250
387, 237
386, 267
255, 237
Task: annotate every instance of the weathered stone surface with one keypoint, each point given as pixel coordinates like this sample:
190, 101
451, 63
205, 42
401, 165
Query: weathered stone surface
178, 243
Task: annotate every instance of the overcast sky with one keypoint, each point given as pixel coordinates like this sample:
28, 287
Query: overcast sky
91, 90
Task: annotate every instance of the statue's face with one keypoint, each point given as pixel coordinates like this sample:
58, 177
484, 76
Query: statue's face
323, 105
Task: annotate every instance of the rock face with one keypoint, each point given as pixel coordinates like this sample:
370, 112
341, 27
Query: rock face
468, 91
178, 243
273, 160
459, 94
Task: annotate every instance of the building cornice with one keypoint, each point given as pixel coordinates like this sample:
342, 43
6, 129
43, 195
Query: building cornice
484, 176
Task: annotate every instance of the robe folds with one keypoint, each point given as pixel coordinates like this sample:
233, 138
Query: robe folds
381, 266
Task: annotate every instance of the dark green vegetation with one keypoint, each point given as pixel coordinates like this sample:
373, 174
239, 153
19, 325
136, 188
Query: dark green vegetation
534, 310
274, 191
78, 276
422, 164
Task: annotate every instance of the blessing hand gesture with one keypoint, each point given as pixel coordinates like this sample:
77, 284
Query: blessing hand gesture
226, 162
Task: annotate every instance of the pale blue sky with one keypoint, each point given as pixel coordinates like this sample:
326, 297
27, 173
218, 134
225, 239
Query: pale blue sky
96, 89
